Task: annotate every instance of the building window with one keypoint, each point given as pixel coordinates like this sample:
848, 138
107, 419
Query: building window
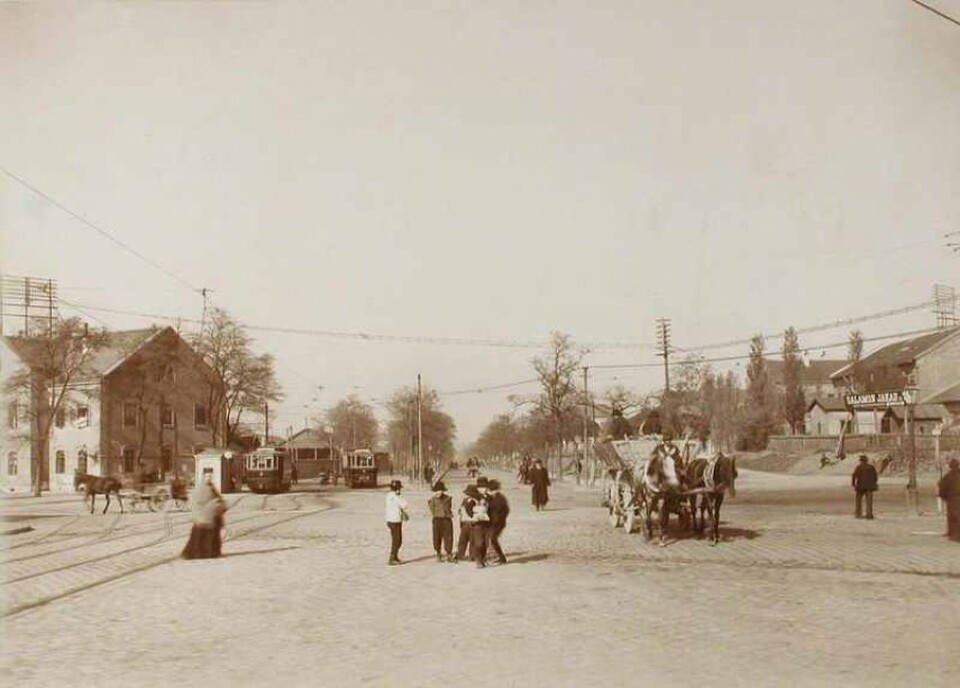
83, 416
166, 459
128, 457
82, 461
60, 418
13, 415
12, 463
60, 463
200, 420
166, 416
129, 414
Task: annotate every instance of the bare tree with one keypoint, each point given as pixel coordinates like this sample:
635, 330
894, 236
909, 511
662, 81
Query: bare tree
247, 380
439, 429
794, 403
558, 392
56, 363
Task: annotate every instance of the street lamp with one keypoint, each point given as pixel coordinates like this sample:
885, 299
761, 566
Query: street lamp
910, 398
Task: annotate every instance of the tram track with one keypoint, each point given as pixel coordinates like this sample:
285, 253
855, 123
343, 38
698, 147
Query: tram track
90, 565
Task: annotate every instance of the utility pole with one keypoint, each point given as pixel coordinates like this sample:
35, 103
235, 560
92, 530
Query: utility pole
203, 317
663, 341
419, 430
585, 435
266, 424
912, 480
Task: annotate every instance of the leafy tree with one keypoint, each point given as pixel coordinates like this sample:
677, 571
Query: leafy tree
501, 438
353, 423
756, 420
794, 404
439, 429
56, 364
247, 380
558, 395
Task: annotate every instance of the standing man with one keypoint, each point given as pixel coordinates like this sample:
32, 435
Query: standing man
466, 512
949, 491
396, 514
540, 480
498, 510
864, 482
481, 523
441, 508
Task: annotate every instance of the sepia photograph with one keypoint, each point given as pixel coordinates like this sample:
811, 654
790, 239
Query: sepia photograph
541, 343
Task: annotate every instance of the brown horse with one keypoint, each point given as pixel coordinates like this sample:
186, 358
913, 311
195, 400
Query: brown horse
94, 485
711, 478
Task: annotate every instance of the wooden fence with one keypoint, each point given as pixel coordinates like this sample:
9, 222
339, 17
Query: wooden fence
852, 444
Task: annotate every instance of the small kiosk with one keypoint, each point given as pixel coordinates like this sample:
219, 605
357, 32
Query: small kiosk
226, 467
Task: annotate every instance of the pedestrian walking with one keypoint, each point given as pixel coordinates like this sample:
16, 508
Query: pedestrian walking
540, 481
498, 509
441, 508
864, 482
949, 490
396, 513
208, 509
466, 514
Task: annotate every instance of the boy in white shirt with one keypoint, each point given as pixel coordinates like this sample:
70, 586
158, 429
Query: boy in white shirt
396, 513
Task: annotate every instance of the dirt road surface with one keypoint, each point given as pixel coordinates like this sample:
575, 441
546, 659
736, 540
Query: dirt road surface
797, 593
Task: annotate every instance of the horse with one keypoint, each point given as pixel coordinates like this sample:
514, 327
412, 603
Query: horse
94, 485
711, 478
662, 491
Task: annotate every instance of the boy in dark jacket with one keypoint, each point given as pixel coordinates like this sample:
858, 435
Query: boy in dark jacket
498, 510
467, 508
441, 508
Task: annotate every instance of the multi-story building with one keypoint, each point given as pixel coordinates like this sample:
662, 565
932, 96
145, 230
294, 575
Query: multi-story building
140, 406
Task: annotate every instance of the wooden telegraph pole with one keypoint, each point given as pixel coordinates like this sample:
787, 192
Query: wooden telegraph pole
419, 431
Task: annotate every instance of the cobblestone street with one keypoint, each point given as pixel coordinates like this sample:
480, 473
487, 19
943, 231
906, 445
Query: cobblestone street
798, 592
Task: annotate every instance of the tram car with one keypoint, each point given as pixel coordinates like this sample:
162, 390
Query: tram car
360, 468
269, 469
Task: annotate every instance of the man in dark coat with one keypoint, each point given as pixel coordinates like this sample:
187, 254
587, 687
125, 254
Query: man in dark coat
949, 491
540, 480
864, 482
498, 510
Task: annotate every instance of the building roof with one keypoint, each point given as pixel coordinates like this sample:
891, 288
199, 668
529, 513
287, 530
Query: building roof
118, 347
947, 396
308, 437
921, 412
815, 372
829, 404
902, 353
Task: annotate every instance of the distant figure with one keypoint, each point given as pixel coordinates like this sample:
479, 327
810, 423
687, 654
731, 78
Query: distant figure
208, 510
428, 473
523, 471
864, 482
540, 481
498, 510
396, 513
949, 491
441, 509
294, 474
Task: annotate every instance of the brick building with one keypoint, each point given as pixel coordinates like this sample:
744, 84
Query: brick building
140, 406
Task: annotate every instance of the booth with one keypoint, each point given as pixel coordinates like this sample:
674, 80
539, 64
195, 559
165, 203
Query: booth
225, 467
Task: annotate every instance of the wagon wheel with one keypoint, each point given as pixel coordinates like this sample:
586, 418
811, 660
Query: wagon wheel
613, 516
630, 520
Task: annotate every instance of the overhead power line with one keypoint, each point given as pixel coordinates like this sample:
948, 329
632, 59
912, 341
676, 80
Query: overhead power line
100, 230
935, 11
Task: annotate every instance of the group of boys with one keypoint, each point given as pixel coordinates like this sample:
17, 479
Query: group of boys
483, 516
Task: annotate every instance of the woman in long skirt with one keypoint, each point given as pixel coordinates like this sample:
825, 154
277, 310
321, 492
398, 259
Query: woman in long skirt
540, 481
208, 509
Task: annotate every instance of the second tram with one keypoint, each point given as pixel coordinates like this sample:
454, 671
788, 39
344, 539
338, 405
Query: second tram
269, 469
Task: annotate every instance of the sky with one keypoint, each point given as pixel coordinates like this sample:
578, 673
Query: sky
483, 171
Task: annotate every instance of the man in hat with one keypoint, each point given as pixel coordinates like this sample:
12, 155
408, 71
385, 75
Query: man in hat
498, 510
481, 523
864, 481
396, 514
540, 480
949, 491
441, 508
466, 512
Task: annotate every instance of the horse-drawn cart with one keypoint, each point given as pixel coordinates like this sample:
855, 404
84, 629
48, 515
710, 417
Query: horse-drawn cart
157, 496
650, 479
